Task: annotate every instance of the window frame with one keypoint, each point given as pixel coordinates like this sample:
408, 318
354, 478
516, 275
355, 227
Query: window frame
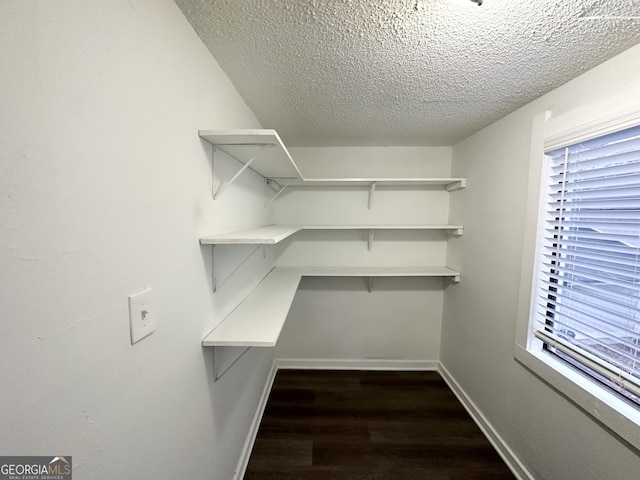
551, 132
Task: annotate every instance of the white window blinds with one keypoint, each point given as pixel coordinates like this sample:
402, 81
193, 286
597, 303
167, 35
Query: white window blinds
587, 304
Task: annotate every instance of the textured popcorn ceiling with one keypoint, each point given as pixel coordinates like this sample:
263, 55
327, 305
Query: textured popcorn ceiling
403, 72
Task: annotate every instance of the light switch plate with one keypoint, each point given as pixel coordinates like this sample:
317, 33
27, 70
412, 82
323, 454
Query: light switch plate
142, 320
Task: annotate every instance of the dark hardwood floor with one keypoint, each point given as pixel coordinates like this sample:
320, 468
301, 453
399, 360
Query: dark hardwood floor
357, 425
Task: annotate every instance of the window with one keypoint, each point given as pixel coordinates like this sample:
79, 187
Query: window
578, 317
586, 301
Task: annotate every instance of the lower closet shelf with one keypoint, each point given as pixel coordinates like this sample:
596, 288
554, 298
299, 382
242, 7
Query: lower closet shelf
373, 271
258, 320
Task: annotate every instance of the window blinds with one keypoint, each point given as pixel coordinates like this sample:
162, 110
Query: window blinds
587, 302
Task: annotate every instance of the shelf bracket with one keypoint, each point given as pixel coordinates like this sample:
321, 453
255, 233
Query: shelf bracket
372, 188
369, 282
455, 279
214, 278
275, 186
225, 184
213, 268
454, 231
218, 375
370, 239
459, 185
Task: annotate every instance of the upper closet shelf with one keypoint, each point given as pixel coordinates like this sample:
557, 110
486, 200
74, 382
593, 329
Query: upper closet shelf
268, 235
260, 150
450, 184
263, 152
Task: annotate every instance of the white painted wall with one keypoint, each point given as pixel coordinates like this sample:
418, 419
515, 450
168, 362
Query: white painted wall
354, 162
549, 434
337, 318
104, 190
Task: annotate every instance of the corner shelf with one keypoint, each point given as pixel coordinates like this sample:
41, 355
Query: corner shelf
273, 234
259, 319
450, 184
260, 150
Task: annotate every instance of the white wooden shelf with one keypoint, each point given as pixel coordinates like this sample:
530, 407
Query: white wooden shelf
381, 227
260, 150
373, 271
259, 319
280, 184
268, 235
369, 273
453, 229
449, 183
273, 234
274, 161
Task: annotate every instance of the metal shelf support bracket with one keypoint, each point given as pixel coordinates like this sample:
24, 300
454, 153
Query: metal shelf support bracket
370, 239
459, 185
214, 278
369, 282
276, 187
372, 188
227, 183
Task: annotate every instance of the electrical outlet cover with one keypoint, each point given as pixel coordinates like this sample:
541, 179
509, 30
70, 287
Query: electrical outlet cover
142, 318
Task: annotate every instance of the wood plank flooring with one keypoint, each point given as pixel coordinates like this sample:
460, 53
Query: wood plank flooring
364, 425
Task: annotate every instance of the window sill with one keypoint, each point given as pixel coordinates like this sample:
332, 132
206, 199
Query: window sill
608, 409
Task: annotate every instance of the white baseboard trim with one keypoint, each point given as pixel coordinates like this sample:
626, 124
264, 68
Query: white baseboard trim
243, 462
512, 461
349, 364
